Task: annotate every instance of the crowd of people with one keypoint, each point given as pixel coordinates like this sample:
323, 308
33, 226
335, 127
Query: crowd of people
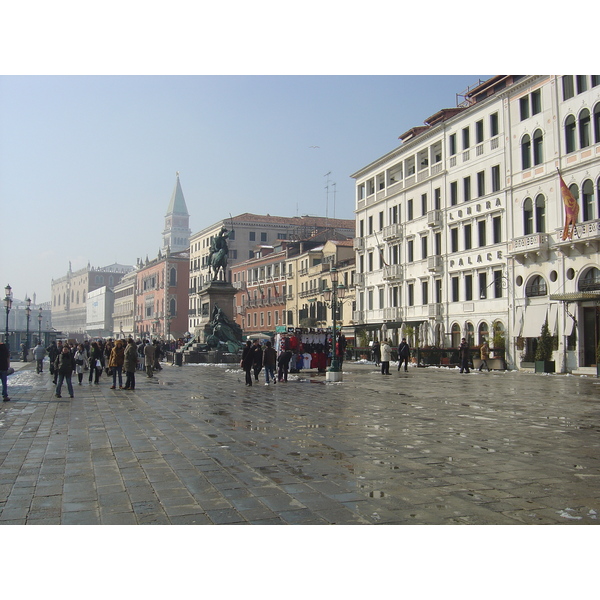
114, 358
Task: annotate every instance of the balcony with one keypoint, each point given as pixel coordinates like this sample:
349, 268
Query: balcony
586, 239
393, 313
392, 272
529, 247
434, 218
393, 232
359, 243
358, 316
435, 263
435, 309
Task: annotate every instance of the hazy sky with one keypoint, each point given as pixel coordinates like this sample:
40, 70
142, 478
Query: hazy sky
88, 163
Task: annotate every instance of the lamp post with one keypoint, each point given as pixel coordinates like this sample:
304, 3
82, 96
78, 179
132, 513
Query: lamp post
338, 290
28, 313
7, 306
40, 326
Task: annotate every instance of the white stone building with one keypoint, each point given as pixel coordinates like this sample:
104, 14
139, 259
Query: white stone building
459, 230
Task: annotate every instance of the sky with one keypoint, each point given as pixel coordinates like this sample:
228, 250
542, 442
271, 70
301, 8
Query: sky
88, 163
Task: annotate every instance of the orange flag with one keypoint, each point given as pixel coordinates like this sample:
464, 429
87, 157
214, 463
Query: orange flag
571, 209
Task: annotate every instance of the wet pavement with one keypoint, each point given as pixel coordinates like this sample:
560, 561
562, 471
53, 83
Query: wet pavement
196, 446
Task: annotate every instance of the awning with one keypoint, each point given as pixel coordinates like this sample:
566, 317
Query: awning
569, 323
576, 296
552, 318
534, 319
518, 324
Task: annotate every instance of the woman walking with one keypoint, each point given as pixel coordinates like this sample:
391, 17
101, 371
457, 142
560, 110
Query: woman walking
64, 365
95, 362
117, 358
81, 362
130, 364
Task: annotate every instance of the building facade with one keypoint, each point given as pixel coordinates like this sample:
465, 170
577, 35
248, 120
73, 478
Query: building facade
123, 316
459, 230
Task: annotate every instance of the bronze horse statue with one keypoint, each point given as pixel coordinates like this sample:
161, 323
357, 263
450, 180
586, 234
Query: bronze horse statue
217, 258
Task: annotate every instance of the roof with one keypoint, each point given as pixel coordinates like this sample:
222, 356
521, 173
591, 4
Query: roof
177, 204
305, 220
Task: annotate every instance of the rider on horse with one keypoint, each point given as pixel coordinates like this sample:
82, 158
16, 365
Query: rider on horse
217, 258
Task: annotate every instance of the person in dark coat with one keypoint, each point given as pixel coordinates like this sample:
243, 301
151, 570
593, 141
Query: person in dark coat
4, 367
403, 354
130, 364
376, 352
283, 362
257, 359
247, 361
269, 362
64, 365
464, 355
96, 366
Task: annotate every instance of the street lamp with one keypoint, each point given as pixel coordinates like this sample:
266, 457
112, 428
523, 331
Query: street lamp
40, 326
7, 306
338, 290
28, 313
500, 282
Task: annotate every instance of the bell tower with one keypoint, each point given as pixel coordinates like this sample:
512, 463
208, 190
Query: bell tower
177, 232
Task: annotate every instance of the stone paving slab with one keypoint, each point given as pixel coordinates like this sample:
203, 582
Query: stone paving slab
196, 446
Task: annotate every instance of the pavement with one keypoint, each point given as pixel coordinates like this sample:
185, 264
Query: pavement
194, 445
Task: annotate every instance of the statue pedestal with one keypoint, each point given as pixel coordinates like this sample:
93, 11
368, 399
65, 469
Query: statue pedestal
219, 293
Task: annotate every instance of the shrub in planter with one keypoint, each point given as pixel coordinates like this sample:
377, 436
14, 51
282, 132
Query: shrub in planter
543, 353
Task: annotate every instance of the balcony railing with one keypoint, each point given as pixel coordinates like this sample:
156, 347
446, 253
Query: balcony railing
392, 272
393, 232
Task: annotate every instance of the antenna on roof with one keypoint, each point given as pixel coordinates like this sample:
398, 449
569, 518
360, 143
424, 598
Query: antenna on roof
327, 195
334, 191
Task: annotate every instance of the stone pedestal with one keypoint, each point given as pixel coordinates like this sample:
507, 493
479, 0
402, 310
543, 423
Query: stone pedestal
219, 293
333, 376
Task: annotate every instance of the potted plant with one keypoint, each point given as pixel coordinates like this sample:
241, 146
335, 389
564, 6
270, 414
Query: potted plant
544, 350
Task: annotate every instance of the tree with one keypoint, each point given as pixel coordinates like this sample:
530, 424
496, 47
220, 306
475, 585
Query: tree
545, 344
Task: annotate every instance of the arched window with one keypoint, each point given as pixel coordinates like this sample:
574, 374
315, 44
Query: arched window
470, 333
597, 123
590, 280
587, 200
585, 137
570, 134
527, 217
173, 307
574, 189
538, 147
536, 286
526, 152
484, 333
456, 335
540, 214
173, 277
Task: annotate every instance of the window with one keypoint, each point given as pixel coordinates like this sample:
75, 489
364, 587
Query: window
540, 214
370, 259
370, 222
570, 134
524, 107
455, 287
479, 132
466, 141
587, 200
590, 282
567, 86
410, 251
380, 220
424, 246
496, 178
454, 193
423, 205
582, 85
394, 214
454, 239
468, 237
528, 217
252, 236
536, 102
425, 292
437, 198
467, 188
438, 244
481, 227
585, 137
597, 124
481, 184
409, 210
497, 229
263, 236
498, 281
361, 228
452, 145
438, 290
381, 297
536, 286
411, 294
494, 125
483, 286
468, 287
538, 147
526, 152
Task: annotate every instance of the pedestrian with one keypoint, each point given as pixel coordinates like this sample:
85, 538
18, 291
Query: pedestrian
54, 350
110, 344
158, 354
64, 365
4, 367
257, 359
81, 362
247, 361
485, 354
95, 361
130, 364
269, 362
464, 355
283, 363
117, 357
386, 356
38, 354
149, 358
403, 354
376, 349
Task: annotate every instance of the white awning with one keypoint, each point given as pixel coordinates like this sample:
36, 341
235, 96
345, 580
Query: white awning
518, 324
535, 316
552, 318
568, 326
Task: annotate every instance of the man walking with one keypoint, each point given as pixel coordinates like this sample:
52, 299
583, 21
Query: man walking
38, 354
4, 366
149, 358
403, 354
464, 356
